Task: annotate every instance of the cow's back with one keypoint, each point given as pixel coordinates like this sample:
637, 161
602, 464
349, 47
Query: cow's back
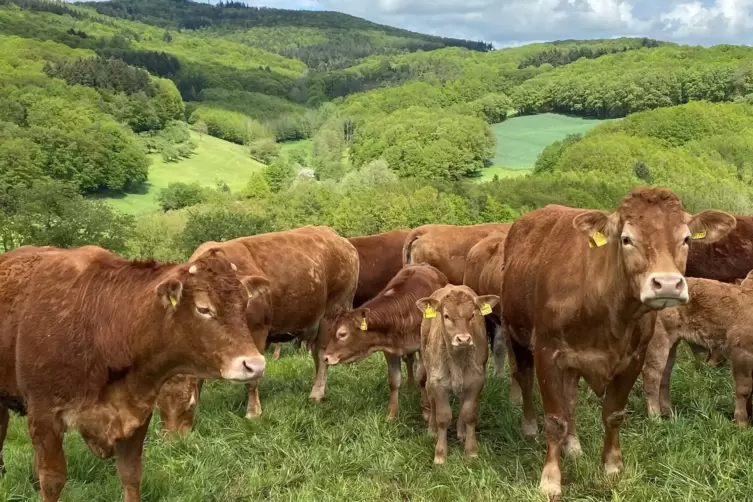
380, 259
446, 246
309, 268
726, 260
484, 265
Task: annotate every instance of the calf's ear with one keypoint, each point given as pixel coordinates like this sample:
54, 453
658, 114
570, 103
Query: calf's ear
169, 292
710, 225
428, 306
486, 303
255, 285
599, 226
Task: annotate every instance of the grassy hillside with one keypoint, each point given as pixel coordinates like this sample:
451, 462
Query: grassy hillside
345, 449
521, 139
214, 160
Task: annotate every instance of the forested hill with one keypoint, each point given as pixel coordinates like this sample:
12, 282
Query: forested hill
300, 34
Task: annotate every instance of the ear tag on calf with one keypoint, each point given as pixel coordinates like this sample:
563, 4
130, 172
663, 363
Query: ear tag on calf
486, 309
173, 300
364, 326
699, 235
430, 312
597, 240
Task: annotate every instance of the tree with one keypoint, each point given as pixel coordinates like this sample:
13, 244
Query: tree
178, 195
279, 174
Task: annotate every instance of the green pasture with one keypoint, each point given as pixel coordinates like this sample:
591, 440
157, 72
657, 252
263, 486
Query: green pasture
213, 160
344, 449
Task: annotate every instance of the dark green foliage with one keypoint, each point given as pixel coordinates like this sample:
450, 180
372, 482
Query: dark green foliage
549, 157
220, 224
179, 195
279, 174
562, 57
156, 63
101, 73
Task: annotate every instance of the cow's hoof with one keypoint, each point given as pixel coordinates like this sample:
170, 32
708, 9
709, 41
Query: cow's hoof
572, 446
530, 429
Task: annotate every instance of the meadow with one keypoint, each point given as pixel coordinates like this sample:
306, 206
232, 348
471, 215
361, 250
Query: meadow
345, 449
213, 160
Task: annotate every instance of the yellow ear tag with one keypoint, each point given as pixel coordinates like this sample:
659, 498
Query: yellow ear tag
250, 294
486, 309
597, 240
173, 300
364, 327
699, 235
430, 312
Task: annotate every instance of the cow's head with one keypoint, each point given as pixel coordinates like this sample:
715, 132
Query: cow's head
353, 339
177, 403
650, 234
459, 311
205, 303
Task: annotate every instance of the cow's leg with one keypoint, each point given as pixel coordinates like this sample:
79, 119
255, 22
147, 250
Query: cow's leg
665, 403
394, 376
320, 368
425, 405
516, 393
524, 375
410, 362
741, 372
570, 385
253, 407
613, 413
276, 354
443, 416
551, 379
4, 419
128, 453
47, 439
657, 368
468, 418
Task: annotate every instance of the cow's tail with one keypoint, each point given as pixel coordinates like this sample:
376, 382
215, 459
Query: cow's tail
408, 248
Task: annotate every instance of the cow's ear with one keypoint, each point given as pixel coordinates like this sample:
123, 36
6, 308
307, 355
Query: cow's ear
169, 292
428, 306
599, 226
710, 225
255, 285
360, 318
486, 303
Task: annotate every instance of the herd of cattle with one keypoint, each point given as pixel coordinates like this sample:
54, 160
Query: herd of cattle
94, 342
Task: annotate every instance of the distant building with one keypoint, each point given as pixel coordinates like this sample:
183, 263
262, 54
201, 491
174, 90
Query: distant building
306, 172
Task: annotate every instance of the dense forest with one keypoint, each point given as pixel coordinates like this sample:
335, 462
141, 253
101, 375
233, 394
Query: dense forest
399, 123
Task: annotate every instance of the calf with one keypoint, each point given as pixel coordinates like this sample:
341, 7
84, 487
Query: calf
484, 267
579, 298
88, 338
313, 274
454, 350
718, 318
388, 323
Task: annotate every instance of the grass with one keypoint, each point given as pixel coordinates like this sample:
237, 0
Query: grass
344, 449
213, 160
521, 139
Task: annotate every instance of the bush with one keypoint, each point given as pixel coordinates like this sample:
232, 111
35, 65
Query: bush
265, 150
178, 195
221, 224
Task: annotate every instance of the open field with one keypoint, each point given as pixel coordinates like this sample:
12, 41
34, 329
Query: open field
213, 160
521, 139
344, 449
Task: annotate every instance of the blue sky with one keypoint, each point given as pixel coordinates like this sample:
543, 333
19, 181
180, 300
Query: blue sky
513, 22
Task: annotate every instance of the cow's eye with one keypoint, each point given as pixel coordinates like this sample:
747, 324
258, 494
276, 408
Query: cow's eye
686, 241
204, 311
627, 241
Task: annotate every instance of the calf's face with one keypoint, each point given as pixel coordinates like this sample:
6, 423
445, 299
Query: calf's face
460, 312
650, 235
350, 343
206, 303
177, 403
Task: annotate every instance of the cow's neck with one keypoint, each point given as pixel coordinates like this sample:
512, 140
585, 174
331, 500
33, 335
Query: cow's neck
391, 341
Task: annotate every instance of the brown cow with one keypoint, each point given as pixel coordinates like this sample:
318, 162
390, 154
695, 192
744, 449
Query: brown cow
728, 260
87, 338
719, 318
313, 274
380, 258
579, 298
388, 323
454, 351
484, 267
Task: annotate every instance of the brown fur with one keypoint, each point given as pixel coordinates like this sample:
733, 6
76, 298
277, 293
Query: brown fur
718, 318
581, 312
484, 271
393, 325
88, 338
313, 272
446, 246
727, 260
449, 365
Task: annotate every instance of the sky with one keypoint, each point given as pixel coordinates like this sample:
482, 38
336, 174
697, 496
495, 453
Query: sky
514, 22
